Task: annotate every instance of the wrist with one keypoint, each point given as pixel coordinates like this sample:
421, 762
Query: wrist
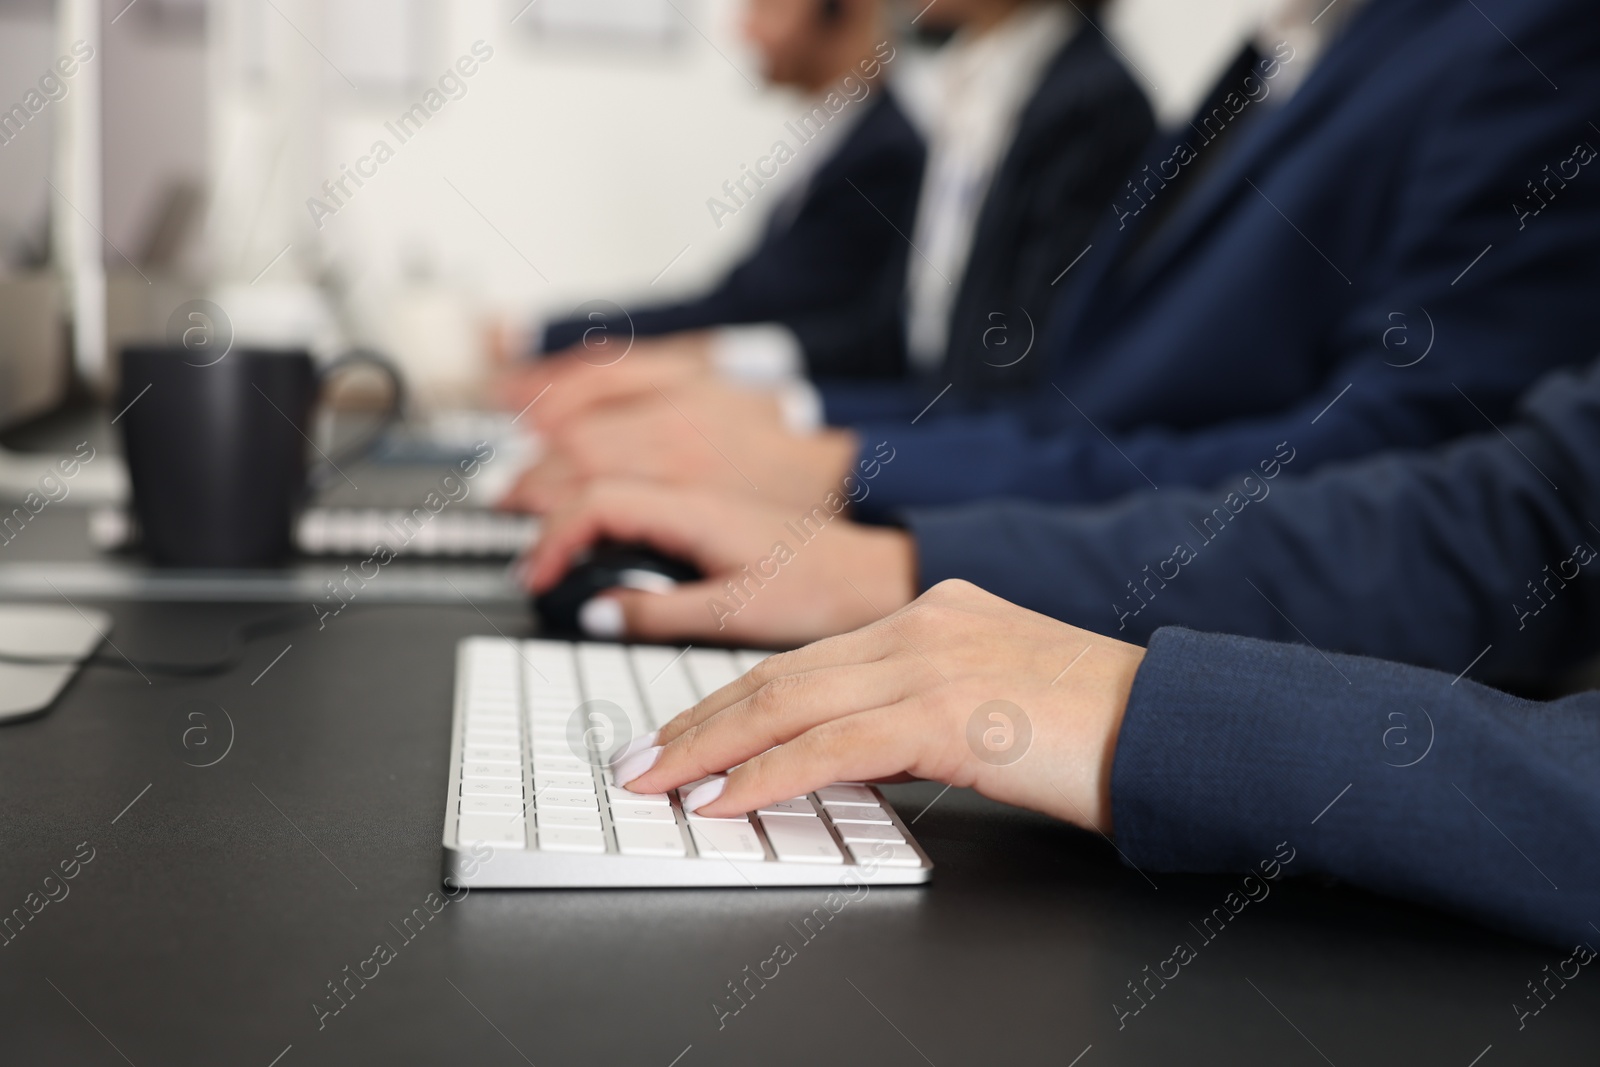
1107, 728
836, 451
891, 553
1069, 775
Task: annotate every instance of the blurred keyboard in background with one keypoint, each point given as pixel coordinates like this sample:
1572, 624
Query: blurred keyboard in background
385, 499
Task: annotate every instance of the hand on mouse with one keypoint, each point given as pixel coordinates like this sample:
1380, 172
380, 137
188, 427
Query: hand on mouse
775, 575
918, 693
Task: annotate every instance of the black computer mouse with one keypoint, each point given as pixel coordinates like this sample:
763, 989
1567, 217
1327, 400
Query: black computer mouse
607, 565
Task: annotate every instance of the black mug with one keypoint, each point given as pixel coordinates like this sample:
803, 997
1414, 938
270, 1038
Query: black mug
217, 452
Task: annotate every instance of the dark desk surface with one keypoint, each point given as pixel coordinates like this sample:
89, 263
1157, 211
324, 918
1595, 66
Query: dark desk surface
219, 905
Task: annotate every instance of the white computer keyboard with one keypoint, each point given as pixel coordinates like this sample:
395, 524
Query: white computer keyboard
350, 531
532, 802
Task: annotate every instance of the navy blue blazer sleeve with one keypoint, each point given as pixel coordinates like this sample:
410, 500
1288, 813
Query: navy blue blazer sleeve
1388, 777
1479, 553
1461, 272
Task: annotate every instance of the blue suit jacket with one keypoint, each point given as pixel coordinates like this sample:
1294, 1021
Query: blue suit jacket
1083, 127
1383, 213
1236, 752
826, 258
1480, 554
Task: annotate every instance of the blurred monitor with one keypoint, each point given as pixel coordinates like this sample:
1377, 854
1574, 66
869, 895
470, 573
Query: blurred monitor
34, 366
34, 363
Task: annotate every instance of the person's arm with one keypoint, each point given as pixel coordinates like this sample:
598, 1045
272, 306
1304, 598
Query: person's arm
1202, 754
1392, 778
1526, 305
1487, 546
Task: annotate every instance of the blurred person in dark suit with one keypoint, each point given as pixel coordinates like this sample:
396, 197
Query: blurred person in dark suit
854, 160
1376, 235
1032, 123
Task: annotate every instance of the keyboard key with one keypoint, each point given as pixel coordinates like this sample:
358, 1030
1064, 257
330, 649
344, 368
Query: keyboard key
559, 765
649, 839
564, 783
491, 806
886, 855
849, 813
588, 820
511, 772
491, 754
800, 840
641, 813
711, 669
847, 794
607, 677
496, 709
797, 806
721, 840
618, 795
854, 832
492, 728
474, 738
570, 839
668, 689
743, 820
552, 659
489, 787
493, 830
746, 660
551, 801
495, 725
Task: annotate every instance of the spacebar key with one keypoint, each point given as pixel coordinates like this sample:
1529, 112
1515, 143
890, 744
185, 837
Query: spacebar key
649, 839
727, 840
800, 840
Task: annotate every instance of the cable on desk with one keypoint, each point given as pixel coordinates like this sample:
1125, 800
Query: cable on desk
238, 637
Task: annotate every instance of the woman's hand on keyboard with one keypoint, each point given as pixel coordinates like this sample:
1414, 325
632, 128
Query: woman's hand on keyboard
960, 686
763, 585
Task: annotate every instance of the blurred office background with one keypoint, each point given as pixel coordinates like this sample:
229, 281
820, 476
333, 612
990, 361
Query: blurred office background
574, 163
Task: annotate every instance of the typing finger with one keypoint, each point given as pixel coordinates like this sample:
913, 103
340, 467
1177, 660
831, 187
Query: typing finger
775, 713
858, 647
866, 746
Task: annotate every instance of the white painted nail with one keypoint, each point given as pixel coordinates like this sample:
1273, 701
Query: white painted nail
635, 765
601, 616
638, 744
704, 794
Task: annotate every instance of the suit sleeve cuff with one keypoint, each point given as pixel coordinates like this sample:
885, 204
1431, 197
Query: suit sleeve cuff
1213, 767
763, 354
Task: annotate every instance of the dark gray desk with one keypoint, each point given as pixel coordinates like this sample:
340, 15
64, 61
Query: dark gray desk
222, 901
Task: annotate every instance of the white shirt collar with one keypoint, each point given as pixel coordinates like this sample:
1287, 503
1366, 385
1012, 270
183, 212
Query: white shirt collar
1307, 26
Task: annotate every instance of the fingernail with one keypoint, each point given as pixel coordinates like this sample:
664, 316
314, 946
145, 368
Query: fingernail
704, 793
638, 744
627, 770
601, 616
